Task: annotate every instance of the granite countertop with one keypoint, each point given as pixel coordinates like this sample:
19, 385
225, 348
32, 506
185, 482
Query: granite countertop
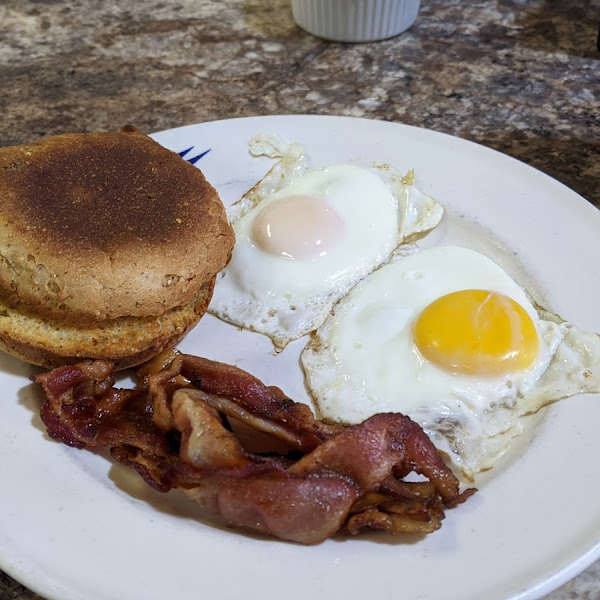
520, 77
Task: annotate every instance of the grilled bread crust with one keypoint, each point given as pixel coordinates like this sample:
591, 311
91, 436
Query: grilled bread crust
105, 225
109, 248
126, 341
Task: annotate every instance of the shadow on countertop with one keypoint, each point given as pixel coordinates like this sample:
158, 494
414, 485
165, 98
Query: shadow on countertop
559, 26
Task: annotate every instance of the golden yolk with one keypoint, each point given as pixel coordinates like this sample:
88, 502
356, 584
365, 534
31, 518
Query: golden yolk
477, 332
299, 226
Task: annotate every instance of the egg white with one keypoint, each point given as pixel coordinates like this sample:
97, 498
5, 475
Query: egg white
363, 359
287, 298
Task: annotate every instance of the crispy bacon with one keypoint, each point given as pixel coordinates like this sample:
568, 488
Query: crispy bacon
267, 406
187, 426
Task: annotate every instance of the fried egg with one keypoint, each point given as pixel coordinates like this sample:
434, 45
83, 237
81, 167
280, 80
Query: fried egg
304, 237
447, 337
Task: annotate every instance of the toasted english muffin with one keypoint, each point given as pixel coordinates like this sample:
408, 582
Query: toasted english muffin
126, 341
109, 247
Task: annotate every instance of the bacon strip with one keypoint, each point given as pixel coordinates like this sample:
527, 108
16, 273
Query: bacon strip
268, 404
178, 429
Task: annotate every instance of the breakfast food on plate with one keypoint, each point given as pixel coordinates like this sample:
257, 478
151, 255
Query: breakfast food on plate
207, 429
417, 355
110, 248
446, 337
305, 237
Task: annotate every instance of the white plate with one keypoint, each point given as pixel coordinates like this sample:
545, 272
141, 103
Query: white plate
75, 525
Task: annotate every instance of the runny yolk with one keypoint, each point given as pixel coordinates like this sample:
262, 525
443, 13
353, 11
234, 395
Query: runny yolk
298, 227
477, 332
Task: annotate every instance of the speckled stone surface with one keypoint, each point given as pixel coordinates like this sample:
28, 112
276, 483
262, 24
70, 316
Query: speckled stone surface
522, 77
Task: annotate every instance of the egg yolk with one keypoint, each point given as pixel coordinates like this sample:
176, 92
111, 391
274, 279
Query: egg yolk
299, 226
477, 332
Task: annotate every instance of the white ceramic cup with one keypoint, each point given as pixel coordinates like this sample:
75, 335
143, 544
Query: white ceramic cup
355, 20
